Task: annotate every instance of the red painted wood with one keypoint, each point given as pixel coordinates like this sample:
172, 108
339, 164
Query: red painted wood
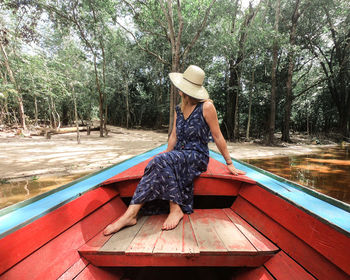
202, 186
126, 188
259, 273
55, 257
146, 238
214, 186
233, 239
15, 246
208, 240
313, 261
160, 260
74, 270
134, 172
323, 238
262, 244
92, 272
215, 169
283, 267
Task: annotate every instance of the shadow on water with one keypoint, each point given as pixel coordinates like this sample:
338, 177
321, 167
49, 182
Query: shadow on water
16, 191
327, 172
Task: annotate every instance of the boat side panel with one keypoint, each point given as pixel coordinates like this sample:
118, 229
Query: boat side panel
54, 258
320, 236
283, 267
19, 244
301, 252
92, 272
328, 210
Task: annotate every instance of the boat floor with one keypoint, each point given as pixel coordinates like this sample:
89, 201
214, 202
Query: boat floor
207, 237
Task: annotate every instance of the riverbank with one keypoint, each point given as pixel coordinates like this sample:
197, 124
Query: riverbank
36, 156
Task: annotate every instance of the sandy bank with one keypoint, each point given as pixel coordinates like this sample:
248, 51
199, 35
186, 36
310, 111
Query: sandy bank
36, 156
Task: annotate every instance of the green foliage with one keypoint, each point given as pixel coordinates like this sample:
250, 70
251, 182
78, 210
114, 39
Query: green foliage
135, 83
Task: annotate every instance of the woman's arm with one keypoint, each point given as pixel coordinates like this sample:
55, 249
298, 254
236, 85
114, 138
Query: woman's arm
211, 117
172, 137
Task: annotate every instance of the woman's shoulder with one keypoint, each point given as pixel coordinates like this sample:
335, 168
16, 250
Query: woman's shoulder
208, 108
208, 105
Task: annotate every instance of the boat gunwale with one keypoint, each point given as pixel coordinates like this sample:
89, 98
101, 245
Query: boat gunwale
217, 156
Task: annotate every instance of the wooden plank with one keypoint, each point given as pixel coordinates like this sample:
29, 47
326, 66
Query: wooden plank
15, 246
261, 243
283, 267
180, 240
259, 273
206, 236
230, 235
74, 270
313, 261
190, 245
320, 236
146, 238
54, 258
92, 272
170, 241
177, 260
121, 240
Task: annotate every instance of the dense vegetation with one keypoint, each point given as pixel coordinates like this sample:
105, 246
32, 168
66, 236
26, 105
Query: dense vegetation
271, 66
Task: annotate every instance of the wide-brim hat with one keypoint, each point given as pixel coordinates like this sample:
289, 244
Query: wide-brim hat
190, 82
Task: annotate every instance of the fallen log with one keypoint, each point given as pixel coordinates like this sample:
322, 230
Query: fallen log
62, 130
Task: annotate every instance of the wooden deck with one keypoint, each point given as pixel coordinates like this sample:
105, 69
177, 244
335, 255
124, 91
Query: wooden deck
208, 237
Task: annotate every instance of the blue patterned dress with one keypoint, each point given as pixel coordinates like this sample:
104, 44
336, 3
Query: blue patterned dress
169, 176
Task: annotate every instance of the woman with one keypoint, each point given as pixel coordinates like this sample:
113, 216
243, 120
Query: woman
169, 176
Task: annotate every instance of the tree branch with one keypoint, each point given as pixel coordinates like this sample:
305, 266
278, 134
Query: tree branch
200, 29
142, 47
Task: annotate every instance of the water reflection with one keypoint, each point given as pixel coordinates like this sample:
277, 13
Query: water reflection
16, 191
327, 172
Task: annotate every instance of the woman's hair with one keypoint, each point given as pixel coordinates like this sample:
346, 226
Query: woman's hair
191, 100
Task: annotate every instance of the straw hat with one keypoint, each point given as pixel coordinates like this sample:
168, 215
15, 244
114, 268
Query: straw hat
190, 82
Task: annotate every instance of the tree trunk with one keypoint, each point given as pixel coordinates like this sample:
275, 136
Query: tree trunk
252, 86
272, 120
76, 114
35, 111
127, 103
13, 81
53, 114
288, 102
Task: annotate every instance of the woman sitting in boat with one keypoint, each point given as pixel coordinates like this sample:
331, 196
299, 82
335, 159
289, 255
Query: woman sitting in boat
168, 177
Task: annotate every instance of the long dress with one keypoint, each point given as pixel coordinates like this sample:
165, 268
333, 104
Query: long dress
169, 176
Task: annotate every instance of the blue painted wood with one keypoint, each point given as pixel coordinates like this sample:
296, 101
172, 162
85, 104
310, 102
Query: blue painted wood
330, 213
30, 212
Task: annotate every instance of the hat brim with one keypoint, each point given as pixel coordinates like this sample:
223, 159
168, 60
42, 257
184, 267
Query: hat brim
195, 91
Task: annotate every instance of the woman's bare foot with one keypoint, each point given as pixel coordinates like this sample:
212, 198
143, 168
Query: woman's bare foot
122, 222
174, 217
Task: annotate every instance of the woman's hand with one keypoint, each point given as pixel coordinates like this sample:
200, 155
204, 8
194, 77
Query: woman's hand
235, 171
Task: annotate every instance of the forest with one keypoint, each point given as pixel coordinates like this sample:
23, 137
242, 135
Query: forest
272, 66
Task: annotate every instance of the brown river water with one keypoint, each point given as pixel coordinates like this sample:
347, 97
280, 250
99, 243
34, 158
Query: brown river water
327, 172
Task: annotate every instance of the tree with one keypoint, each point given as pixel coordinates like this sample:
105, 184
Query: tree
160, 21
272, 119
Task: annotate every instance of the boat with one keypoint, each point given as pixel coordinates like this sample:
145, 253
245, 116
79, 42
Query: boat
253, 226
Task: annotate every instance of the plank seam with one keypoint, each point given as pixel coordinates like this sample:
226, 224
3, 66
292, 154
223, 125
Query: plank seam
193, 234
257, 250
